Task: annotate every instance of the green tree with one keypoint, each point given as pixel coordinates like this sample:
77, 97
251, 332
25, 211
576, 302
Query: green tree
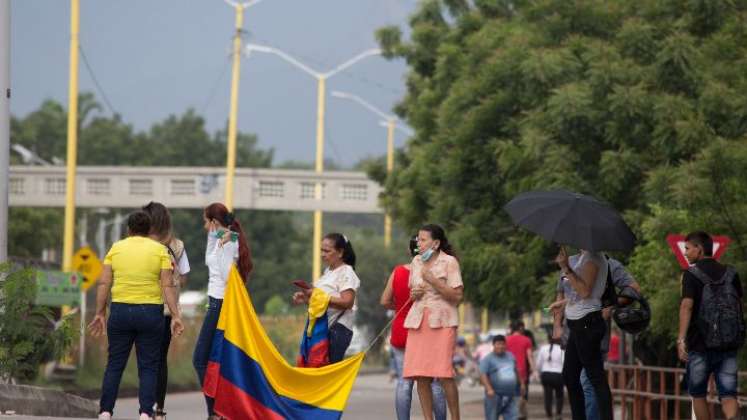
276, 305
30, 336
608, 98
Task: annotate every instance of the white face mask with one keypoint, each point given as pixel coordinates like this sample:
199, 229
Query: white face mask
427, 254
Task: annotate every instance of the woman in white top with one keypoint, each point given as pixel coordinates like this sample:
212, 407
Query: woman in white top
584, 283
549, 363
341, 283
226, 245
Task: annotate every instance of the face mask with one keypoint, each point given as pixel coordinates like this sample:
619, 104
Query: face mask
426, 255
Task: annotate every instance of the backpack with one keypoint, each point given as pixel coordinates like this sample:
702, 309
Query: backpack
720, 318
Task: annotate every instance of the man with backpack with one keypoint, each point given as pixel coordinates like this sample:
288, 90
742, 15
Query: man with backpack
711, 326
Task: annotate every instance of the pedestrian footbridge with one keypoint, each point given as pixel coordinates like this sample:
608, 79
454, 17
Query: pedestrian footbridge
194, 187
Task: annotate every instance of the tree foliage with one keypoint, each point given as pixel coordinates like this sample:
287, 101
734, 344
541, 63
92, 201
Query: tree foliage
30, 336
639, 103
280, 241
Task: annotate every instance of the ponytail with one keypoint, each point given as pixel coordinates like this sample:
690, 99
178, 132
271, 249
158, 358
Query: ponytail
245, 264
343, 244
549, 356
219, 212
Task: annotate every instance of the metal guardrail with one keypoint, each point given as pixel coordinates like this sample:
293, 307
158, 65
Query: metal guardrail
647, 392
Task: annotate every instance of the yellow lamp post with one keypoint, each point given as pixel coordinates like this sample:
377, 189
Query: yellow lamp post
390, 122
321, 96
72, 140
234, 107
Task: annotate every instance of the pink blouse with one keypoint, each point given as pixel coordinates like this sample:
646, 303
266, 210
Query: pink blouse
441, 312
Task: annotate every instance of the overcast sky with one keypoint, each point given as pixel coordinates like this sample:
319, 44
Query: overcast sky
154, 58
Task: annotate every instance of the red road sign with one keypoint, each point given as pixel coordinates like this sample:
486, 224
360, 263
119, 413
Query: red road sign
677, 243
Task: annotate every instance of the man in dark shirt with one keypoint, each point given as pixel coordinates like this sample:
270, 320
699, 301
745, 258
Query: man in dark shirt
691, 348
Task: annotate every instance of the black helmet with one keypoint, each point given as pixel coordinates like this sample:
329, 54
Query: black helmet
635, 317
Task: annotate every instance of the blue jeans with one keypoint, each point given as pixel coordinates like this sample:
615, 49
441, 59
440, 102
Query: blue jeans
590, 399
141, 325
204, 345
723, 365
501, 405
340, 337
403, 392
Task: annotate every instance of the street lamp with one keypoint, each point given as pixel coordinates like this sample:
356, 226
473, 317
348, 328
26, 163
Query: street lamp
234, 108
72, 141
390, 122
319, 167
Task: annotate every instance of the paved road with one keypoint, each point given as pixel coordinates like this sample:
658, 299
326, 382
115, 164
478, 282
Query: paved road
372, 398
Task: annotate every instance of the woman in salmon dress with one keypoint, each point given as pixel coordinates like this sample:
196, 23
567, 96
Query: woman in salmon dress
436, 288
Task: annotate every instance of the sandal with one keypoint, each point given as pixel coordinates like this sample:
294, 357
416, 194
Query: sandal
159, 415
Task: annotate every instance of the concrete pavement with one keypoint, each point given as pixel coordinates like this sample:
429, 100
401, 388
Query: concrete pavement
372, 398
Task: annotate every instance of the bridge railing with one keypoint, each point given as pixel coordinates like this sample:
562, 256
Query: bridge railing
653, 392
195, 187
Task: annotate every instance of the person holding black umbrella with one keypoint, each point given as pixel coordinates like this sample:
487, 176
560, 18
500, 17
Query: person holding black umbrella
566, 217
583, 310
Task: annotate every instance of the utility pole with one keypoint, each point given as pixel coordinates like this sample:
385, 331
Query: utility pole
72, 141
4, 125
233, 114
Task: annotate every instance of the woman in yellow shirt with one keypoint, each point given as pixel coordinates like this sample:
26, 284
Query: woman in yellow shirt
137, 273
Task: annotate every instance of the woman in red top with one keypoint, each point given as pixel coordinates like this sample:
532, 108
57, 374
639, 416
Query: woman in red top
396, 296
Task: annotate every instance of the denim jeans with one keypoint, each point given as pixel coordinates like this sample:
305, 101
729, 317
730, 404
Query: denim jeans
340, 337
204, 345
590, 400
583, 352
723, 365
403, 392
501, 405
141, 325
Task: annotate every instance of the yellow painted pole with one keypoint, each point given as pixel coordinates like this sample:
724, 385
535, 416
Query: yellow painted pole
232, 117
484, 321
72, 140
389, 168
461, 319
315, 246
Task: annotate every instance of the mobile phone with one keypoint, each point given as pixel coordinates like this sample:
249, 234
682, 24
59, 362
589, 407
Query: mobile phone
301, 284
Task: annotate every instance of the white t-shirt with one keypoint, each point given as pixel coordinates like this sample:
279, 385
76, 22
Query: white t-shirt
578, 307
555, 362
334, 282
219, 258
182, 266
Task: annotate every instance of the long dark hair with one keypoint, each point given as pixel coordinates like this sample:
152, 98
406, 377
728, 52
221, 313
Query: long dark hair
437, 233
219, 212
160, 221
342, 243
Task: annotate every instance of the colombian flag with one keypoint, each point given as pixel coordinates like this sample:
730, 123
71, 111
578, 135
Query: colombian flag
314, 350
249, 379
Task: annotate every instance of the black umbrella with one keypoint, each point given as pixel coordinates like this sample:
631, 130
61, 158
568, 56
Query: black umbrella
573, 219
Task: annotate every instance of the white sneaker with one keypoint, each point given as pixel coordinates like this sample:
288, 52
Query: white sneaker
105, 416
145, 416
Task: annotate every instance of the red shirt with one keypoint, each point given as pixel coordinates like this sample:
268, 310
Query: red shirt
614, 354
518, 344
401, 294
